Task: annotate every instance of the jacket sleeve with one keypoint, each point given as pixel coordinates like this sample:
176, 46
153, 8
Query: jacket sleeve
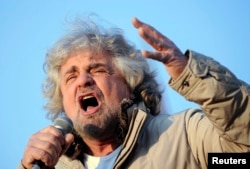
20, 166
223, 98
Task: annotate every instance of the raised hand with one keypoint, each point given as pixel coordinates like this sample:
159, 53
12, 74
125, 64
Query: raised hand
166, 51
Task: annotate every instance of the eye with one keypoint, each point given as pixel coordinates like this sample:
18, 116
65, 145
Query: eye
70, 78
99, 70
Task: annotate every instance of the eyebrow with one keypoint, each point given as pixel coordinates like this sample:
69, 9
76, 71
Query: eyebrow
70, 70
96, 65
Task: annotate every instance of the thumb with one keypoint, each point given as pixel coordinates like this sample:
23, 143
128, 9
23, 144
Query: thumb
69, 138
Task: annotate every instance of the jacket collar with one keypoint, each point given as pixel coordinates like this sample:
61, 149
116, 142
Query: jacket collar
137, 115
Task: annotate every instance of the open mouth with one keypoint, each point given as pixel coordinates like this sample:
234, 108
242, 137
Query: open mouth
88, 102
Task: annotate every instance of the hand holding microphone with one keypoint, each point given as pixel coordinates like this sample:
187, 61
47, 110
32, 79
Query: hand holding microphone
46, 146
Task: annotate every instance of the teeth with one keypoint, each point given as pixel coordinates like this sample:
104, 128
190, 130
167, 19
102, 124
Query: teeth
87, 97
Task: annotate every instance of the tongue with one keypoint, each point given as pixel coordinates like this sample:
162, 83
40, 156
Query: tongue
90, 108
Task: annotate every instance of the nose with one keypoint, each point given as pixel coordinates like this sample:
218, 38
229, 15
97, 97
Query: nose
85, 80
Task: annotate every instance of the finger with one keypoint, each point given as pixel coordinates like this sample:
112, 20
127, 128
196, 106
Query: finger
52, 146
46, 137
45, 145
163, 57
148, 29
48, 159
46, 148
136, 22
54, 133
32, 154
154, 42
152, 36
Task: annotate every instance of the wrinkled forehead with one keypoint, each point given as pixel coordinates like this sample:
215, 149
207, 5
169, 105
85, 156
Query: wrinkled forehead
86, 59
89, 55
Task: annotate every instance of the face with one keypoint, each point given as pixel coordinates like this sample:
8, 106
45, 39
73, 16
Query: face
92, 89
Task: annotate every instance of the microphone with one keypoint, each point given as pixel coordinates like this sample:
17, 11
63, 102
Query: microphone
64, 125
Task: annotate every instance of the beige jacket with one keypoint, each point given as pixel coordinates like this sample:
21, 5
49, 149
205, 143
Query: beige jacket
183, 140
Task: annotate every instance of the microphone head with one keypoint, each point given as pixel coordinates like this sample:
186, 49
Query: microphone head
64, 124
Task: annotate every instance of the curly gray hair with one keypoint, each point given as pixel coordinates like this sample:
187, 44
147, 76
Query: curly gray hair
94, 38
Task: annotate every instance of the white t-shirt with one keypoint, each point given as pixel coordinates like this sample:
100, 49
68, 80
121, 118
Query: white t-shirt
104, 162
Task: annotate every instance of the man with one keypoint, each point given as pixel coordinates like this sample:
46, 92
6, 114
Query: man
103, 84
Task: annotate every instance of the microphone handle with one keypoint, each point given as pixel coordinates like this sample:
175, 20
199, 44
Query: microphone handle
38, 165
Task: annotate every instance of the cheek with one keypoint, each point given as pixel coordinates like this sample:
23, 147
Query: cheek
68, 98
119, 90
68, 91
